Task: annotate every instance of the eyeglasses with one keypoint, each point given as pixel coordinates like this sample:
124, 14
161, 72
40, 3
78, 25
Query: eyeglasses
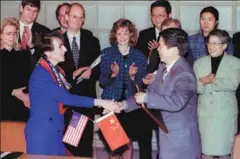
10, 33
76, 17
214, 44
159, 16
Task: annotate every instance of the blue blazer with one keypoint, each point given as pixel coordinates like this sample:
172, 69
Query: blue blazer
197, 47
44, 129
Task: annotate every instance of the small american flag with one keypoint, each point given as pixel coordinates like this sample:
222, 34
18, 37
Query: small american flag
75, 129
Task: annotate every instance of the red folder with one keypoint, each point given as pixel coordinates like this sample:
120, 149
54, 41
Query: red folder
112, 131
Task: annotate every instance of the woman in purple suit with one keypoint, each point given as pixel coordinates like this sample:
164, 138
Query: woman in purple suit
48, 91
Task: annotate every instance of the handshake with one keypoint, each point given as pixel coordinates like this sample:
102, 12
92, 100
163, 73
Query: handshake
109, 105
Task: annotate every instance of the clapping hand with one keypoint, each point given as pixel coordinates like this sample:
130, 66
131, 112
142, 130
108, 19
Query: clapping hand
114, 69
152, 45
132, 70
28, 37
210, 78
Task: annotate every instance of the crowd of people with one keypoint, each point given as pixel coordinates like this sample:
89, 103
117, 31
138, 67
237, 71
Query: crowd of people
191, 83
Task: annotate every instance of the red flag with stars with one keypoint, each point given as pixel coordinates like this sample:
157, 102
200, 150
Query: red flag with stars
112, 131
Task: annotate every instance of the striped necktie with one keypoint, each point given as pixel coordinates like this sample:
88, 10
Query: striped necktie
75, 51
165, 73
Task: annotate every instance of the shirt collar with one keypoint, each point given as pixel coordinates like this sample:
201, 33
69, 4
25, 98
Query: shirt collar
157, 32
70, 35
168, 67
22, 25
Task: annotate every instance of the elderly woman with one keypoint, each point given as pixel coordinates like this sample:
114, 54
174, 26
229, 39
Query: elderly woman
15, 72
209, 19
48, 90
122, 67
218, 76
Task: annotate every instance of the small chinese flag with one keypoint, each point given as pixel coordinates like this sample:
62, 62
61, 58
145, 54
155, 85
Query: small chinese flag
112, 131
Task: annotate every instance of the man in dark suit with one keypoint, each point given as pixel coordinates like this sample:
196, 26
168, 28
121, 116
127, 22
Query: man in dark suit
60, 15
30, 29
147, 42
236, 41
82, 49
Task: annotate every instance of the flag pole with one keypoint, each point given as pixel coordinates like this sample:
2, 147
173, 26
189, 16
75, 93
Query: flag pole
159, 122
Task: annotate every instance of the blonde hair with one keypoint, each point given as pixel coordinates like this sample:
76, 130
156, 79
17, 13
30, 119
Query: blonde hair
10, 21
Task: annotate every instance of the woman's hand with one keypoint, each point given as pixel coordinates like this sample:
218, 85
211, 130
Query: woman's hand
107, 104
132, 71
24, 97
210, 78
114, 69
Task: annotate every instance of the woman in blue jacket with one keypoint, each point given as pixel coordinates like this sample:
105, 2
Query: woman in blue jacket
48, 91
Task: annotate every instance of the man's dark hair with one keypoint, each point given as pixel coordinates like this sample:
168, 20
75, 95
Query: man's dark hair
176, 37
47, 43
162, 3
59, 7
32, 3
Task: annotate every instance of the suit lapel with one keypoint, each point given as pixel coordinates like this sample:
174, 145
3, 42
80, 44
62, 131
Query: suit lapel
68, 55
82, 52
153, 34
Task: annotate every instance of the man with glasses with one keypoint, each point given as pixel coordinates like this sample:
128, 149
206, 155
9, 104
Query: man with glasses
82, 49
147, 42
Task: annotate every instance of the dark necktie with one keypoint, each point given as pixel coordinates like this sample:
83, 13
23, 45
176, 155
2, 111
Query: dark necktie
75, 51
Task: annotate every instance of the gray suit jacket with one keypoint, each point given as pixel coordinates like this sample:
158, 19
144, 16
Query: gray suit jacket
176, 97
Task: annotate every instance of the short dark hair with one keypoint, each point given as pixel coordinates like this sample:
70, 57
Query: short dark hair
123, 23
32, 3
211, 10
47, 43
176, 37
162, 3
221, 34
59, 7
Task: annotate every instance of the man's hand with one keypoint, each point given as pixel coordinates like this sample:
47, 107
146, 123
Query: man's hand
79, 71
28, 37
152, 45
86, 74
139, 97
107, 104
149, 78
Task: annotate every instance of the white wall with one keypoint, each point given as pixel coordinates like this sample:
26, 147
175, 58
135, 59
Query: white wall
100, 15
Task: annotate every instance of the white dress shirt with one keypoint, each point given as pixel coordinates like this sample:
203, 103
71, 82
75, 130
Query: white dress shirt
70, 38
157, 33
